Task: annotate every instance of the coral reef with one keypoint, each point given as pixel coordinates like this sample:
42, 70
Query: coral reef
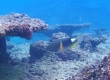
2, 45
52, 66
49, 65
37, 50
90, 43
58, 35
12, 72
18, 51
66, 28
3, 55
97, 71
21, 25
74, 54
16, 72
101, 31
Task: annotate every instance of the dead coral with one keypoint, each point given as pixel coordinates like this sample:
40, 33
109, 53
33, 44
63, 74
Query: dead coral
89, 43
66, 28
16, 24
20, 25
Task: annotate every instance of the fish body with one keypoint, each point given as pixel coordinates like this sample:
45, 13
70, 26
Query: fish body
64, 44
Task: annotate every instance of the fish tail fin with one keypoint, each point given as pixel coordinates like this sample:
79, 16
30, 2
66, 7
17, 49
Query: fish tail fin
73, 45
77, 40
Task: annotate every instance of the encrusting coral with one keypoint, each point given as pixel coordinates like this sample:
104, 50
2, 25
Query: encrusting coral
97, 71
21, 25
88, 43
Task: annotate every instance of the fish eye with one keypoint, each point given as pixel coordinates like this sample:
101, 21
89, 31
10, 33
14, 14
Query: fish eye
73, 39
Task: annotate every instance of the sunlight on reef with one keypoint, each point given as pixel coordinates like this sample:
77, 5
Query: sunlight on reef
36, 61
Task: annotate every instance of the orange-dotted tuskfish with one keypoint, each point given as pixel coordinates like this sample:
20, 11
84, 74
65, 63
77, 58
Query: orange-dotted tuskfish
64, 44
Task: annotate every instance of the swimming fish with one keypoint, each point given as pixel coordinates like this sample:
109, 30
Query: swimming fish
64, 44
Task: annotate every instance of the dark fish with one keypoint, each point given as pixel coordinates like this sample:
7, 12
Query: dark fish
64, 44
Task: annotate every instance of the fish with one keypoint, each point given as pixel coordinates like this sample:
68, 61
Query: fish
61, 45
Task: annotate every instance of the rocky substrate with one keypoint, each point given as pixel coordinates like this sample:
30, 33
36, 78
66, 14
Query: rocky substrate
56, 66
97, 71
33, 62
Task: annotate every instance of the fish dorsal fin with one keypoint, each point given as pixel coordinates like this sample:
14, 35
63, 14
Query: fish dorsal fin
79, 38
61, 46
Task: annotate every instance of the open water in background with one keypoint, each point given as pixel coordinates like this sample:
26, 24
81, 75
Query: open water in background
53, 12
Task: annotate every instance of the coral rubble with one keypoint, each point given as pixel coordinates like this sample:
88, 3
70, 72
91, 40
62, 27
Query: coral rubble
97, 71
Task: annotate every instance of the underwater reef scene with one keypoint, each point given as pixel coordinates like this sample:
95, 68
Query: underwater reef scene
64, 56
54, 40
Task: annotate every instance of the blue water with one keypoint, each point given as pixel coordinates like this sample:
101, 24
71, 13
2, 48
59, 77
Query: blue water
53, 12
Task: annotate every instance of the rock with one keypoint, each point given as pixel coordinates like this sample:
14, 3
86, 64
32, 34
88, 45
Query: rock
2, 45
101, 31
66, 28
3, 55
69, 55
73, 54
20, 25
9, 45
90, 43
97, 71
37, 49
59, 35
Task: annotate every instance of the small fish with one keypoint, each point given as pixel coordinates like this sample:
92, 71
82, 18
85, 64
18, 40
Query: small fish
64, 44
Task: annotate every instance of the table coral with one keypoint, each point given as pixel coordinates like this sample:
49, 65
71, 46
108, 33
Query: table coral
21, 25
66, 28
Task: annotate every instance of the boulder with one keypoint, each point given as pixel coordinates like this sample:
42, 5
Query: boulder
37, 49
